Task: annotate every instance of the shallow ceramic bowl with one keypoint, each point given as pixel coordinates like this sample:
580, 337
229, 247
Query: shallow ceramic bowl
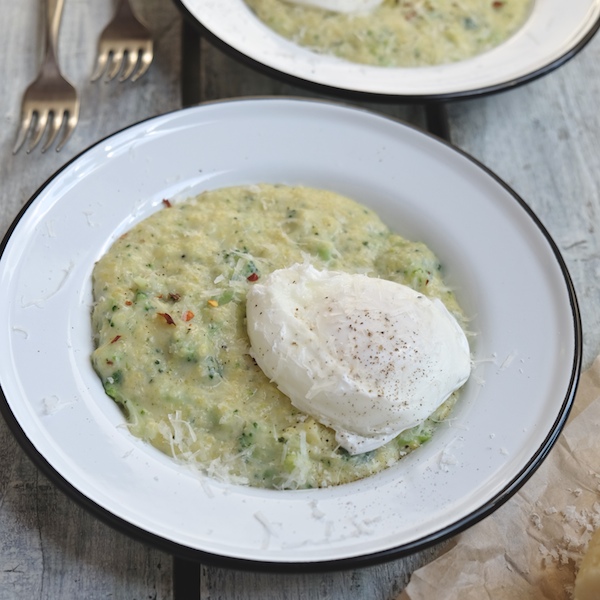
509, 278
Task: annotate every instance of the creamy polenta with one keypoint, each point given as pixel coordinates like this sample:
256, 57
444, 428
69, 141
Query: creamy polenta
171, 341
398, 33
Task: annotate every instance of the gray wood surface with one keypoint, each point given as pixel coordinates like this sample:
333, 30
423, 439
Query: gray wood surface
542, 139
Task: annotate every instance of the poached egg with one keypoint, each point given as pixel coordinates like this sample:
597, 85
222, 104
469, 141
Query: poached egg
367, 357
342, 6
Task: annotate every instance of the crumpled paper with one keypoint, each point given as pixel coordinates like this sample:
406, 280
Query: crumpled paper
530, 548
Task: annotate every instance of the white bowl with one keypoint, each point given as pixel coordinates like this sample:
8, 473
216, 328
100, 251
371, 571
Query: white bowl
508, 275
553, 33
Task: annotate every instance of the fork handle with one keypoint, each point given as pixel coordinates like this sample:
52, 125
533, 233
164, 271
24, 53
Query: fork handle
54, 9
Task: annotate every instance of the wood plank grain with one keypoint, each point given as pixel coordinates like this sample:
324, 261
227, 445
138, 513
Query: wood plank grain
50, 547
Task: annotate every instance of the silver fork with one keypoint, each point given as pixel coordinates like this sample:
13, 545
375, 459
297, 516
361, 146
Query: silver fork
124, 45
50, 102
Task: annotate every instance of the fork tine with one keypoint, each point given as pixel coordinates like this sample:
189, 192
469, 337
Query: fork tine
26, 119
144, 64
130, 61
38, 130
55, 120
100, 64
69, 127
115, 64
50, 96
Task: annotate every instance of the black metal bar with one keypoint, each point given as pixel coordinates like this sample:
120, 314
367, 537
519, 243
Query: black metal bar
186, 579
436, 116
191, 86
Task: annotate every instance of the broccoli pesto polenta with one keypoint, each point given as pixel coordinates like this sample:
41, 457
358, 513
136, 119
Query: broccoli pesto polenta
398, 33
171, 342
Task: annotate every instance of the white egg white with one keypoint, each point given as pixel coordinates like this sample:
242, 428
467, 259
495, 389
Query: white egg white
367, 357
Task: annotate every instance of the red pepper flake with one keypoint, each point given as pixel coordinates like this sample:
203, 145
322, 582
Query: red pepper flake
167, 203
115, 339
252, 277
168, 318
128, 303
498, 4
188, 315
109, 362
174, 297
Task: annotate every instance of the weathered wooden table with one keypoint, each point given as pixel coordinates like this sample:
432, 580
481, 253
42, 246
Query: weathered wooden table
542, 139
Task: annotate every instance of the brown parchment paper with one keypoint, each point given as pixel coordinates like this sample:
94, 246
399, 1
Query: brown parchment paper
530, 548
